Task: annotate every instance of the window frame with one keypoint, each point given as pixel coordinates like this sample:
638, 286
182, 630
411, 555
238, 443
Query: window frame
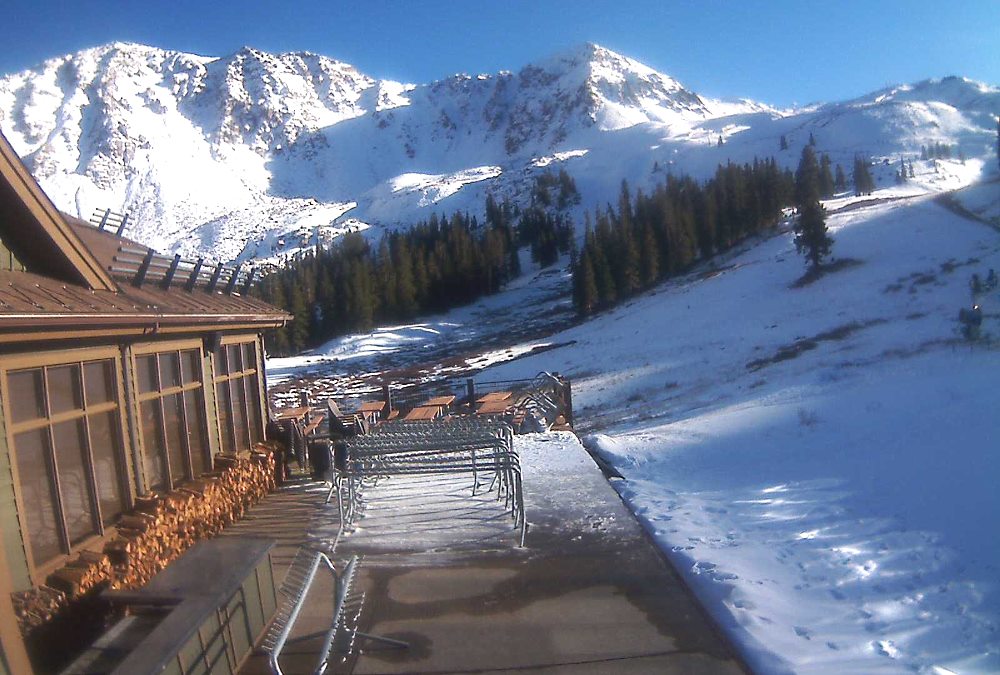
159, 394
69, 357
245, 376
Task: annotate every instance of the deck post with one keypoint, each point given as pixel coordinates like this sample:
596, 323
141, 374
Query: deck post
470, 388
387, 398
305, 402
568, 400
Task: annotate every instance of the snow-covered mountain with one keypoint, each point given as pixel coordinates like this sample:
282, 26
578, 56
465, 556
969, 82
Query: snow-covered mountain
255, 153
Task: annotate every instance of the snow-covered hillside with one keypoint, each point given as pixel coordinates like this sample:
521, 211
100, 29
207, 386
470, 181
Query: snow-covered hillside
819, 461
257, 154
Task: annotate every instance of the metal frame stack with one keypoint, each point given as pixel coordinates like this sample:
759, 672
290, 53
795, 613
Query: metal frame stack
477, 446
343, 632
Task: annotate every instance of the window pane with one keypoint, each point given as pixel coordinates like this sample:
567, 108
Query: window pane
154, 453
64, 389
27, 400
225, 404
146, 372
240, 415
235, 358
253, 402
99, 381
170, 373
190, 366
197, 442
31, 450
249, 355
173, 422
106, 447
71, 463
221, 362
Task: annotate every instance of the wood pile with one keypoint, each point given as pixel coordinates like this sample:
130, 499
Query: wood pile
158, 530
37, 606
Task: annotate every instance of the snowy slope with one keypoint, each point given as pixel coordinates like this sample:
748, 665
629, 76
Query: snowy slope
818, 461
256, 154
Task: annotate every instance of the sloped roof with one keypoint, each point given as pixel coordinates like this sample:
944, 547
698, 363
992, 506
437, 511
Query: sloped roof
70, 289
32, 227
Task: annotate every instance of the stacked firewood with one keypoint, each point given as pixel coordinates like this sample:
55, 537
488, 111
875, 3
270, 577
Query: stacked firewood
157, 531
37, 606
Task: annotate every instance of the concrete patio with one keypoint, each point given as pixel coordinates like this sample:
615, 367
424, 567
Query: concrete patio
441, 570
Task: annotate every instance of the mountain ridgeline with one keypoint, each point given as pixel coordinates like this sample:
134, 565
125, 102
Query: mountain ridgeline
299, 146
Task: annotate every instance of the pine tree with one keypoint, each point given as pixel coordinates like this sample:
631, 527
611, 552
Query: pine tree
811, 236
649, 258
784, 142
840, 180
586, 285
902, 171
807, 179
863, 183
298, 327
826, 182
812, 139
923, 153
720, 141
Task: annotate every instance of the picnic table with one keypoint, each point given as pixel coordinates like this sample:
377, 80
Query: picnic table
293, 413
317, 420
424, 412
371, 407
494, 396
494, 407
442, 401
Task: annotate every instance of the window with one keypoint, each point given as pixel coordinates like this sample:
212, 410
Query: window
237, 393
8, 261
65, 424
173, 433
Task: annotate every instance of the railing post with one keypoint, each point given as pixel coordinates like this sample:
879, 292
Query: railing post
306, 402
568, 400
470, 388
231, 286
169, 278
121, 226
216, 275
248, 282
140, 276
387, 398
193, 279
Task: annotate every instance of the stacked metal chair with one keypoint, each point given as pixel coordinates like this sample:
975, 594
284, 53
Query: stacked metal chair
475, 446
340, 638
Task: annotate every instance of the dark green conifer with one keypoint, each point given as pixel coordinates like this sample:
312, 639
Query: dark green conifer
811, 234
840, 180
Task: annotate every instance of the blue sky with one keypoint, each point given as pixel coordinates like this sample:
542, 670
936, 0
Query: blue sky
779, 52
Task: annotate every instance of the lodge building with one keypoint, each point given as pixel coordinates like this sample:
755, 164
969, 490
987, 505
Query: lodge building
122, 374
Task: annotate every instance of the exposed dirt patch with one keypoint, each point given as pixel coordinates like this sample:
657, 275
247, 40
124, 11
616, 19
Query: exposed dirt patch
817, 273
802, 345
